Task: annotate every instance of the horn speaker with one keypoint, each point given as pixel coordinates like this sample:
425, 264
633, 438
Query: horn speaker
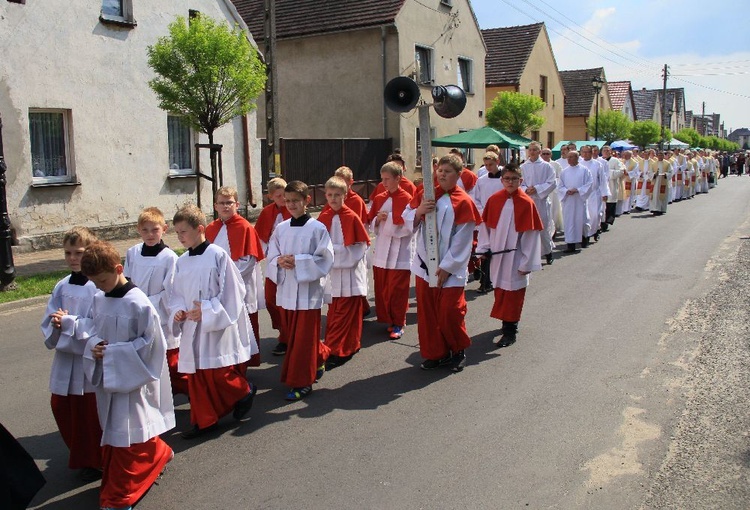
401, 94
449, 100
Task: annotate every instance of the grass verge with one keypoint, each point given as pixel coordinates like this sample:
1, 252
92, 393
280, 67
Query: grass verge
32, 286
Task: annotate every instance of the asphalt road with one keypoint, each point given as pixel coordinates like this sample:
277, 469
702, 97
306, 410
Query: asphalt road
627, 388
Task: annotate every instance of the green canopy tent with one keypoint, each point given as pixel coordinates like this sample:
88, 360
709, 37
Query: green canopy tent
579, 144
481, 138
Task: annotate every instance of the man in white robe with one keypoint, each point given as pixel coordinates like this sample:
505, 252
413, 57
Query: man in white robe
662, 176
539, 181
614, 171
557, 218
574, 186
595, 200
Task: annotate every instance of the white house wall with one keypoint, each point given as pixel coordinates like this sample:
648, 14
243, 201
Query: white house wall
57, 54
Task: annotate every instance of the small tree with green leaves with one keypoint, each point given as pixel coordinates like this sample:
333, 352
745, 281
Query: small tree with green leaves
645, 132
613, 125
688, 135
515, 112
206, 72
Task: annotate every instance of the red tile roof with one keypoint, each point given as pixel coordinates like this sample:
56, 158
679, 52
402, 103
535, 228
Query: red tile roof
618, 93
295, 18
508, 50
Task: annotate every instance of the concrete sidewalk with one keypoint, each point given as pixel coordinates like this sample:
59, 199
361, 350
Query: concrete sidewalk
45, 261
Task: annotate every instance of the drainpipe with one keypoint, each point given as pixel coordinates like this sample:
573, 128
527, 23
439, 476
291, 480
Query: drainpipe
385, 77
248, 168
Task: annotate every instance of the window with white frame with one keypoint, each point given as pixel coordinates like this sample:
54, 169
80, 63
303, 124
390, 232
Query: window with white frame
117, 11
49, 134
465, 76
180, 142
423, 63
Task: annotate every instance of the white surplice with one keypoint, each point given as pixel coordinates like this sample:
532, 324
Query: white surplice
541, 176
575, 210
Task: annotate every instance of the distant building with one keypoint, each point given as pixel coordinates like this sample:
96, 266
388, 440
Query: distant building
741, 137
621, 95
580, 101
520, 59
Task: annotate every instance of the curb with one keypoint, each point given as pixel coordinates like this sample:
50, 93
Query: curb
20, 304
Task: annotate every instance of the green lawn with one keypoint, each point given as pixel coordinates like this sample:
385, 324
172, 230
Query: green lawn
32, 286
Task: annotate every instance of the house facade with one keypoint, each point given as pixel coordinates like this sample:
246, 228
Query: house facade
85, 141
520, 59
335, 58
621, 94
581, 101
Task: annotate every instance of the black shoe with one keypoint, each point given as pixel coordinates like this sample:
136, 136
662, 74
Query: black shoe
457, 361
89, 475
243, 406
484, 290
197, 431
279, 350
432, 364
596, 236
506, 340
548, 257
605, 226
571, 248
585, 242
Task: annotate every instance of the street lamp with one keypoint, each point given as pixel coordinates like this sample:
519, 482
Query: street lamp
597, 83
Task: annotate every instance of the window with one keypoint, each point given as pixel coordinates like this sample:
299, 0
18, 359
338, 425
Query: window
535, 136
433, 134
543, 88
465, 78
50, 145
423, 63
550, 139
447, 3
180, 141
118, 12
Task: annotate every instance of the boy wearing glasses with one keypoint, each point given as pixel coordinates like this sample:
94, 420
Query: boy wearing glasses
239, 239
512, 241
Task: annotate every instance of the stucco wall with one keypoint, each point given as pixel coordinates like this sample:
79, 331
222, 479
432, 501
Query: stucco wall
575, 129
57, 54
433, 27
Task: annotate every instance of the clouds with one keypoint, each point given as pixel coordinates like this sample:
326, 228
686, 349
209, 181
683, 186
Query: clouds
706, 48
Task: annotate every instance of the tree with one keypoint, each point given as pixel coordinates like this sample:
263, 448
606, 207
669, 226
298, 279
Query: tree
688, 135
613, 125
206, 72
515, 112
645, 132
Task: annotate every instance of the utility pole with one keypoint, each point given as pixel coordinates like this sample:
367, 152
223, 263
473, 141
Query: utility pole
703, 116
273, 159
7, 269
664, 104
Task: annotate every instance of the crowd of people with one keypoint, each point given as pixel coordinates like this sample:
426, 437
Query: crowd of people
129, 336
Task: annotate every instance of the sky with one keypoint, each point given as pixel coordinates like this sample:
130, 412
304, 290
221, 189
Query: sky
706, 44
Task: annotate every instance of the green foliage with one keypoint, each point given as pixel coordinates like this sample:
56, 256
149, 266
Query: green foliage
206, 72
645, 132
688, 135
613, 125
515, 112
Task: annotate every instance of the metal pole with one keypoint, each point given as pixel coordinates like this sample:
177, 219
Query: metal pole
8, 274
596, 124
273, 159
430, 219
663, 106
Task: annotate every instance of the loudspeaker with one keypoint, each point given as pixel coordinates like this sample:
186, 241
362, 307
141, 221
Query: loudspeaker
450, 100
401, 94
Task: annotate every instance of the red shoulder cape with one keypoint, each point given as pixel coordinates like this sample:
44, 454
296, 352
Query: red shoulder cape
400, 200
264, 224
405, 184
464, 210
351, 225
243, 239
354, 202
469, 179
525, 213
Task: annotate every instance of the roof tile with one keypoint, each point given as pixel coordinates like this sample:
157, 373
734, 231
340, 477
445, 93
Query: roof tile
508, 49
579, 92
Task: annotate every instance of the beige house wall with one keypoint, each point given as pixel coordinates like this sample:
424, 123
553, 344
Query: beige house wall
492, 92
542, 63
433, 28
57, 54
575, 129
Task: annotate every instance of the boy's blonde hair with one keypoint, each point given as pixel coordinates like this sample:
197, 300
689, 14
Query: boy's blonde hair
99, 257
79, 235
151, 215
227, 191
491, 155
453, 161
345, 173
492, 148
337, 183
392, 167
276, 183
191, 215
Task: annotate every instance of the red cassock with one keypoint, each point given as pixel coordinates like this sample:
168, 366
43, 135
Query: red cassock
214, 392
305, 352
344, 319
78, 420
264, 227
509, 303
391, 285
130, 471
179, 380
243, 241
